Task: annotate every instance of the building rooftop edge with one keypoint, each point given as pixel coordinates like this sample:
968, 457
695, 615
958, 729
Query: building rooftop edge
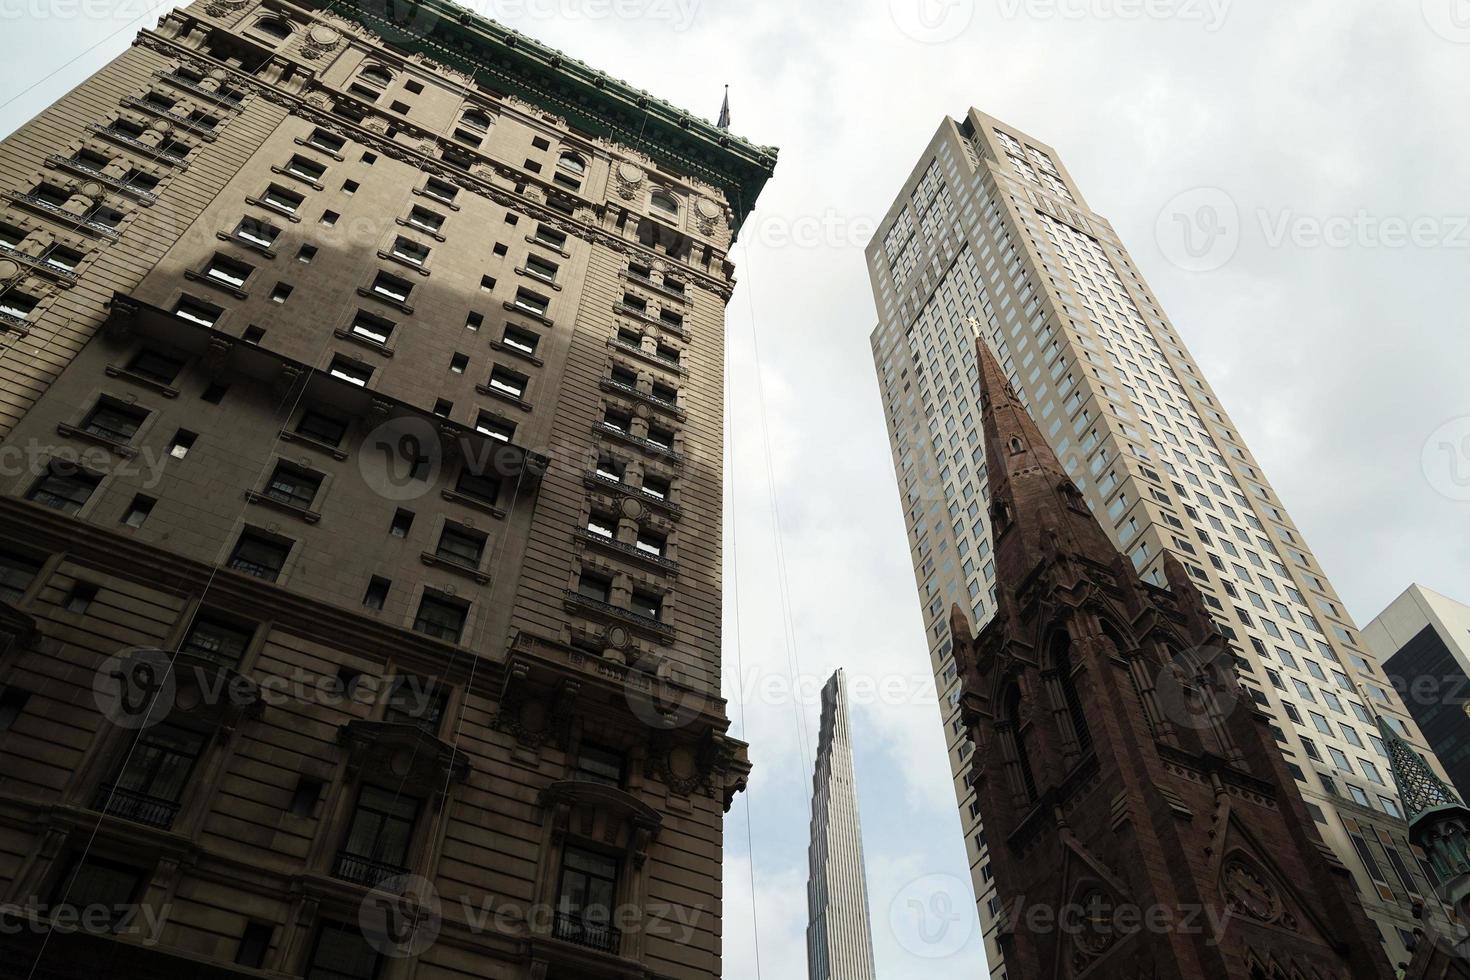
602, 104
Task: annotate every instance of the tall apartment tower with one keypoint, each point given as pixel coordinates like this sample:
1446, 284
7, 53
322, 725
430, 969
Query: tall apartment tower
990, 237
1423, 641
361, 373
839, 937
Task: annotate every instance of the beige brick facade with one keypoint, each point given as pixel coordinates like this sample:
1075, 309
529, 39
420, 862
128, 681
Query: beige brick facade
365, 384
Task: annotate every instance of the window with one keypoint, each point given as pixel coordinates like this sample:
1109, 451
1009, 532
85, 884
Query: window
647, 604
521, 340
529, 302
474, 321
594, 586
65, 259
664, 203
461, 546
656, 487
429, 221
214, 640
305, 254
652, 543
350, 371
253, 334
661, 438
259, 556
495, 427
541, 268
257, 232
416, 701
378, 839
255, 943
439, 190
373, 329
402, 522
329, 218
610, 469
586, 894
458, 363
323, 140
153, 777
273, 28
138, 511
666, 353
507, 381
300, 166
16, 575
376, 75
224, 269
292, 486
181, 443
197, 311
440, 617
377, 593
281, 292
475, 119
546, 235
114, 422
97, 886
391, 287
349, 186
214, 393
596, 764
478, 486
410, 251
322, 428
664, 393
616, 418
282, 199
63, 487
341, 953
603, 525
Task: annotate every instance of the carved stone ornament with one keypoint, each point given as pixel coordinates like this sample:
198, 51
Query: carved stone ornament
223, 8
1248, 892
319, 40
628, 178
706, 213
8, 270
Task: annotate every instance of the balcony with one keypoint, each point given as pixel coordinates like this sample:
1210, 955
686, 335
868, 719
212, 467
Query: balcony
121, 186
364, 871
647, 445
576, 600
151, 811
71, 218
631, 551
594, 479
582, 931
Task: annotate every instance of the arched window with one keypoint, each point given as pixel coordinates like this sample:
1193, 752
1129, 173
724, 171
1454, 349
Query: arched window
1012, 716
1061, 648
376, 75
572, 163
475, 119
665, 203
273, 27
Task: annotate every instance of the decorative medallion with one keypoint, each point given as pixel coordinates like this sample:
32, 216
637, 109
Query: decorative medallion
319, 40
705, 214
8, 270
632, 509
628, 178
1249, 893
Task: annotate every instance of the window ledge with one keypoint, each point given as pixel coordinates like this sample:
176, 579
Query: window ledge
575, 600
622, 309
607, 384
309, 516
538, 317
659, 288
367, 293
406, 263
288, 436
602, 428
223, 287
504, 396
534, 277
639, 352
320, 149
454, 496
668, 567
549, 247
405, 223
265, 250
592, 480
371, 345
308, 181
124, 374
290, 216
439, 561
437, 200
504, 348
111, 445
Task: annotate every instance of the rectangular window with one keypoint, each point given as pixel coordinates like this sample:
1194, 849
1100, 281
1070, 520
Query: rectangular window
281, 199
257, 232
391, 287
300, 166
547, 235
138, 511
461, 546
417, 701
495, 427
440, 190
594, 586
647, 604
292, 486
513, 384
529, 302
216, 641
430, 221
373, 329
259, 556
323, 140
96, 886
652, 543
224, 269
114, 422
377, 593
521, 340
350, 371
596, 764
197, 311
16, 575
410, 251
541, 268
440, 616
477, 486
656, 487
341, 953
63, 487
378, 839
153, 777
321, 427
586, 895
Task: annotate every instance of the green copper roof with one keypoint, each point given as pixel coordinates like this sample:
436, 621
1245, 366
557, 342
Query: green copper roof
1420, 789
506, 61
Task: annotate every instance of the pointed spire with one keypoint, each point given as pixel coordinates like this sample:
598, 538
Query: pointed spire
724, 122
1013, 443
1420, 788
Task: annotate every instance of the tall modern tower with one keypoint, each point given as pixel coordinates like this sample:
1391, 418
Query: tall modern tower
839, 938
361, 373
991, 237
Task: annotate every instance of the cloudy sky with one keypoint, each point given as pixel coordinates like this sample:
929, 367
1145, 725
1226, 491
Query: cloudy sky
1327, 136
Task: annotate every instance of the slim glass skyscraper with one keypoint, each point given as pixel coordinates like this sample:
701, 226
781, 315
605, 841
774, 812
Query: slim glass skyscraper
990, 236
839, 939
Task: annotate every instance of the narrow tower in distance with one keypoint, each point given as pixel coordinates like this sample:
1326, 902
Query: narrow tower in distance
839, 939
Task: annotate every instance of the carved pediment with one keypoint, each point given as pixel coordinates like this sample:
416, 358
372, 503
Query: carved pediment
416, 761
602, 814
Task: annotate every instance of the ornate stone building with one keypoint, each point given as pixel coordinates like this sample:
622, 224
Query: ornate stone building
1141, 821
361, 389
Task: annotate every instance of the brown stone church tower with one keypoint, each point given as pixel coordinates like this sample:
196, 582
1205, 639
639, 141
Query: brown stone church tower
1140, 821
